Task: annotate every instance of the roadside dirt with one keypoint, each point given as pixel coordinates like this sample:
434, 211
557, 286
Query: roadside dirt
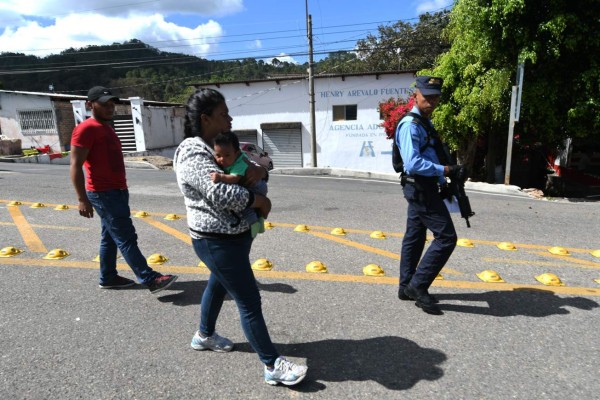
159, 162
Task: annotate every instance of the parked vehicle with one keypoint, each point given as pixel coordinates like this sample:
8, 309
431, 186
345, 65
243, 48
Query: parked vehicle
257, 154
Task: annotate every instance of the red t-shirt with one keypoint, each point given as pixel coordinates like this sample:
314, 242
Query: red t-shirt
104, 166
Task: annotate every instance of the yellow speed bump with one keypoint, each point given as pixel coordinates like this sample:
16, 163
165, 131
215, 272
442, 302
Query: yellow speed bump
597, 280
464, 243
262, 264
14, 203
338, 232
61, 207
596, 253
507, 246
202, 265
373, 270
316, 267
56, 254
549, 279
489, 276
439, 277
559, 251
10, 252
141, 214
157, 259
268, 225
38, 205
301, 228
172, 217
377, 235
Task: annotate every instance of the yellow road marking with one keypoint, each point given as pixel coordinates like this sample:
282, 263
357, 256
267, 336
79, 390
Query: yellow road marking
289, 275
62, 228
30, 238
584, 264
167, 229
570, 259
370, 249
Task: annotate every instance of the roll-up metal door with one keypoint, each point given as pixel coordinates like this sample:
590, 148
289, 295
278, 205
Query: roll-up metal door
284, 147
247, 135
123, 125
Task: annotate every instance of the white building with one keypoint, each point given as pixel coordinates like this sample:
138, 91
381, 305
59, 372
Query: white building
274, 113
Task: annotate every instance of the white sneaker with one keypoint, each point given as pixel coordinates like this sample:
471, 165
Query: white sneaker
214, 343
285, 372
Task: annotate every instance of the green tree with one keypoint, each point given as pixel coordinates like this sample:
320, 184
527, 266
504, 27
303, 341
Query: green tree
558, 43
405, 46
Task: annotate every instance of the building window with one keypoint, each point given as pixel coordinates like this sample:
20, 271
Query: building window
345, 113
37, 122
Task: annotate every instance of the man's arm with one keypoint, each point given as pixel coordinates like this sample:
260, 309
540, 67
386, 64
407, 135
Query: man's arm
78, 156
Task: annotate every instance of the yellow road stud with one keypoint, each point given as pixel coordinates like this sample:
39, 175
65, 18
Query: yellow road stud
56, 254
38, 205
172, 217
202, 265
141, 214
596, 253
507, 246
157, 259
10, 252
262, 264
61, 207
373, 270
439, 277
316, 267
464, 243
377, 235
489, 276
268, 225
549, 279
559, 251
301, 228
14, 203
597, 280
338, 232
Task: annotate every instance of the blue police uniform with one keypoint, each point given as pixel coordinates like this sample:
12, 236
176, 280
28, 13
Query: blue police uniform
426, 209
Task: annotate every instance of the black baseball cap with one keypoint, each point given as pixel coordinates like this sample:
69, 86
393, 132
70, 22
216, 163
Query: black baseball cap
429, 85
100, 94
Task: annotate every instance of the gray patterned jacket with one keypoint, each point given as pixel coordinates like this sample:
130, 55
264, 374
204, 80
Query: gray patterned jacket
211, 207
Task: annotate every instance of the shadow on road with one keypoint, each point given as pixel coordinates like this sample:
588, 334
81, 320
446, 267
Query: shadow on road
526, 302
190, 292
394, 362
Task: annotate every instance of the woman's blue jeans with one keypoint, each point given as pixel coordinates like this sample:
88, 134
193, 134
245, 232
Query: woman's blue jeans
118, 231
228, 260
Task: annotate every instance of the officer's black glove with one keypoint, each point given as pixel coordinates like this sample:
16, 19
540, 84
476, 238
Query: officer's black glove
458, 173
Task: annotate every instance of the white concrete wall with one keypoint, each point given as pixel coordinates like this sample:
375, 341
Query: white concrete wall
163, 126
10, 103
358, 145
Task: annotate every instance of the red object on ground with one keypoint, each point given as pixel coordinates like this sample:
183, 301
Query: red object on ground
44, 150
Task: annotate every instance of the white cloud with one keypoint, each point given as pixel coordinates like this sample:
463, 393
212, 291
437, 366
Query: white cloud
433, 5
282, 58
257, 44
42, 27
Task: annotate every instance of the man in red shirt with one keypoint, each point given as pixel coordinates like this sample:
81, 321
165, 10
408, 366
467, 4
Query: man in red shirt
96, 147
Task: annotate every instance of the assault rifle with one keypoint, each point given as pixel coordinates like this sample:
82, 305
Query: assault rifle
456, 188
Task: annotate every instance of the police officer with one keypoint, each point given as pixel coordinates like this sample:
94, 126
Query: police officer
423, 176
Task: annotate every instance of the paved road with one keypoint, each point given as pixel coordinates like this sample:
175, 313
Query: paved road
64, 338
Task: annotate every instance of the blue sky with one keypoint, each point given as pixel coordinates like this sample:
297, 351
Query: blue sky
213, 29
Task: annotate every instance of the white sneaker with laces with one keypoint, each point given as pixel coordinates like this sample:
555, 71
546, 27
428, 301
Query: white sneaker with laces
285, 372
215, 343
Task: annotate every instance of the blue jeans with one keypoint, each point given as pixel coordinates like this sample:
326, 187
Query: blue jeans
426, 210
228, 260
118, 231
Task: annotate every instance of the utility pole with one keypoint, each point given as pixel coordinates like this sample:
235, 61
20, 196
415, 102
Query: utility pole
311, 90
515, 111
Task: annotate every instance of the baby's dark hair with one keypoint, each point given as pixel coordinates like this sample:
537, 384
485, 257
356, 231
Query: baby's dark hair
202, 101
226, 138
